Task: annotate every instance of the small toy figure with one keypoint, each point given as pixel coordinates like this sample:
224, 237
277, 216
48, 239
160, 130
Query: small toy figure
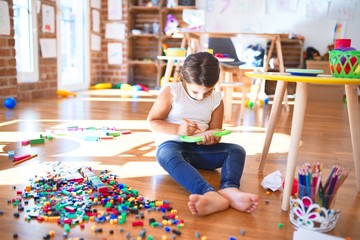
171, 25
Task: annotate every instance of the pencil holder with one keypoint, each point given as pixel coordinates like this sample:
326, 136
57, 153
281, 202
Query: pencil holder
345, 64
311, 216
311, 210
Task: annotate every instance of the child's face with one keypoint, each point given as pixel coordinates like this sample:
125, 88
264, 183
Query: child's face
198, 92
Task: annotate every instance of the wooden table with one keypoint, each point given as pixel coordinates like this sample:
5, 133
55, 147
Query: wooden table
191, 39
351, 88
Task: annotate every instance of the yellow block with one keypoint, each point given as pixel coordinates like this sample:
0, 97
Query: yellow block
101, 86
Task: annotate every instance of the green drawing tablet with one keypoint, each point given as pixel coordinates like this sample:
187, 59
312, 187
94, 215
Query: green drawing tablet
199, 137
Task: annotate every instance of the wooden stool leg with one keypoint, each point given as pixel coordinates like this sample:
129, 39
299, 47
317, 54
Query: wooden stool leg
228, 92
243, 99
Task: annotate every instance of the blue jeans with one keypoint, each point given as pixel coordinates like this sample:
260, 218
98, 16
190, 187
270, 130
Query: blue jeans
181, 160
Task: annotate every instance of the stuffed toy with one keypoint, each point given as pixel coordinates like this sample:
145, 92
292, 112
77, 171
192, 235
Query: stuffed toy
171, 26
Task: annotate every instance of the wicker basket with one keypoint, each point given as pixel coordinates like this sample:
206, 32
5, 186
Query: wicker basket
345, 64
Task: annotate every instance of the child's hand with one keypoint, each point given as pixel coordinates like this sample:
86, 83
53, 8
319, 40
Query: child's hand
209, 139
188, 128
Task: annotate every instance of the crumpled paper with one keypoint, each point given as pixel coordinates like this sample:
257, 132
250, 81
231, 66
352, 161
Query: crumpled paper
272, 181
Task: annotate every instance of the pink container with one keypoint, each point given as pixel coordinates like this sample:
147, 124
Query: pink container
342, 43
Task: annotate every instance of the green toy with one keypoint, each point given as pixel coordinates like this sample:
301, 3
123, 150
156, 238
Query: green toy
199, 137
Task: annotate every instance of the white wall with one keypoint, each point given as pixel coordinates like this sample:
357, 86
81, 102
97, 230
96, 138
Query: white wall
263, 16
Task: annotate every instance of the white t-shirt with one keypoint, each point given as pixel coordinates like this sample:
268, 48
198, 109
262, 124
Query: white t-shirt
183, 106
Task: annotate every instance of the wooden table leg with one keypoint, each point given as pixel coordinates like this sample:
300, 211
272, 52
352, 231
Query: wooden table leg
295, 137
275, 110
354, 120
281, 67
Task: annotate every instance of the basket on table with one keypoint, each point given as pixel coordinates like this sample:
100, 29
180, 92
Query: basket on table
345, 64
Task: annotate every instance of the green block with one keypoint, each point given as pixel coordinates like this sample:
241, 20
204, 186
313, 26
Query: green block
67, 193
72, 216
37, 141
67, 228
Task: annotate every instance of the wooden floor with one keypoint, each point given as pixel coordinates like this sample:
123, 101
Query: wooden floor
326, 138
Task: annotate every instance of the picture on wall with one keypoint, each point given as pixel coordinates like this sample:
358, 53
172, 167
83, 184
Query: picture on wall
186, 2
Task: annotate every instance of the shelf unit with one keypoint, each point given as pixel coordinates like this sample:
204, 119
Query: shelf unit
144, 46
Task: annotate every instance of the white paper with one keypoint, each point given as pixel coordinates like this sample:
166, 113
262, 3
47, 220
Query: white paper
115, 31
4, 18
301, 234
48, 19
114, 9
48, 47
95, 42
257, 7
95, 20
341, 10
115, 53
96, 4
315, 9
272, 181
287, 5
193, 17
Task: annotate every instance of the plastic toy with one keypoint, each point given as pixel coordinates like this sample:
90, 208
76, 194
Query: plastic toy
143, 88
10, 103
294, 188
37, 141
101, 86
64, 93
136, 88
126, 87
198, 137
162, 81
255, 98
117, 86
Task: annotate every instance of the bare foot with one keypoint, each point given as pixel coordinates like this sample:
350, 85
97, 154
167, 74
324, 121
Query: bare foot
208, 203
242, 201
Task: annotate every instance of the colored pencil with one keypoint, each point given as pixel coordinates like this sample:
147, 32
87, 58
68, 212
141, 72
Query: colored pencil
25, 159
310, 183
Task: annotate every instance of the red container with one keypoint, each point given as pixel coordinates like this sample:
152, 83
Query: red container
342, 43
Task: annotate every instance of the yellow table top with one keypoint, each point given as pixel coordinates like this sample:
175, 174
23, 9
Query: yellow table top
319, 79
